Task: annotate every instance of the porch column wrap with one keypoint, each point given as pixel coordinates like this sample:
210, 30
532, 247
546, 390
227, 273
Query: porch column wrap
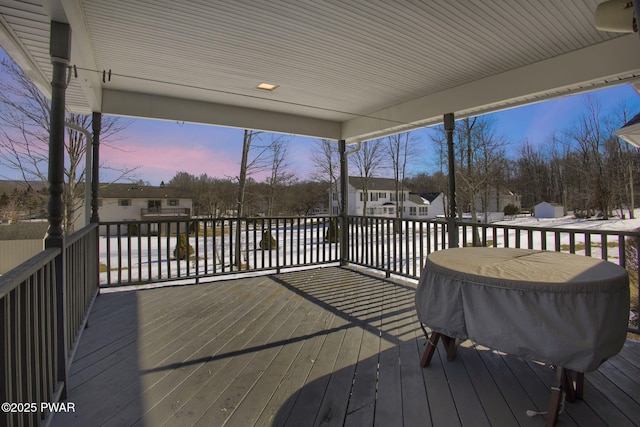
344, 188
60, 51
449, 127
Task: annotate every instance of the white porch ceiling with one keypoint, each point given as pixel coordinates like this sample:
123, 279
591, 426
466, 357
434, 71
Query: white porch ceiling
350, 70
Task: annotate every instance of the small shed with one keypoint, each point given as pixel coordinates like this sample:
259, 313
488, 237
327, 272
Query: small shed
19, 242
548, 210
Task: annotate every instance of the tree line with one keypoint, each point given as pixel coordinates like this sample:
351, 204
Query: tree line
214, 196
586, 168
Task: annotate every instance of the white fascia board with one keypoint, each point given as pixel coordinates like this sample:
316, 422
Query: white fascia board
151, 106
597, 65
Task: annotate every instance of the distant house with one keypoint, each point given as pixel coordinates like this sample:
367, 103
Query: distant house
132, 202
19, 242
381, 200
436, 201
495, 201
548, 210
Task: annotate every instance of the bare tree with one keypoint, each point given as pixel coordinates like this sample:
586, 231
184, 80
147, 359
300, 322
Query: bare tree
326, 161
623, 166
479, 150
439, 137
589, 138
399, 148
366, 161
248, 166
24, 138
277, 148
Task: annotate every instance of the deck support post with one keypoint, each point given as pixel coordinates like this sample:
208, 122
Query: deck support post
449, 127
344, 188
60, 52
96, 124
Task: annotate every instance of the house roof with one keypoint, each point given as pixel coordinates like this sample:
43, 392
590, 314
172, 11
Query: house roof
630, 132
430, 196
555, 205
134, 191
417, 199
374, 184
351, 70
24, 230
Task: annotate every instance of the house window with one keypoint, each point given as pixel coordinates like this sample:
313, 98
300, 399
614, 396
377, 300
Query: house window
382, 195
374, 197
174, 202
412, 210
154, 205
423, 210
361, 197
393, 197
124, 202
391, 211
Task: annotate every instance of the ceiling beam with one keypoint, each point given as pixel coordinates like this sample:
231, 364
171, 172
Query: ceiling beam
184, 110
585, 69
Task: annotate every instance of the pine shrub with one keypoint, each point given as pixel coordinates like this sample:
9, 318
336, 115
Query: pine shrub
183, 249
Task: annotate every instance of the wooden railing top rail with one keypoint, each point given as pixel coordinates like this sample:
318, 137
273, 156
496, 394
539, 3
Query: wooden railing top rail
541, 227
80, 234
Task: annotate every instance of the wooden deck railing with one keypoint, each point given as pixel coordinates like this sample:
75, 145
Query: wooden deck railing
401, 246
43, 310
136, 252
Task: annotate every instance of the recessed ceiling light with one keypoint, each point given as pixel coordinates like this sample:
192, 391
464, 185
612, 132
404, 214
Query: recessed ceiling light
267, 86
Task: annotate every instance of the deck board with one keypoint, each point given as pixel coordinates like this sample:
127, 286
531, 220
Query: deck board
328, 346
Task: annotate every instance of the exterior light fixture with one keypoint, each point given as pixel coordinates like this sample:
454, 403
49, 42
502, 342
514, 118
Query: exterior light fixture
267, 86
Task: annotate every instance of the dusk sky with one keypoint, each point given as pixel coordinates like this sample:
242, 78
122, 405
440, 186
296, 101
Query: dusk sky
161, 148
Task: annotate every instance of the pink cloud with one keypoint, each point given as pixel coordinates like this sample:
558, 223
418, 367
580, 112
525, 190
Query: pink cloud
161, 162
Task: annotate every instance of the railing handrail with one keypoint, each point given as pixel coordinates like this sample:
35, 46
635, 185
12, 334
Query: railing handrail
70, 240
13, 278
509, 226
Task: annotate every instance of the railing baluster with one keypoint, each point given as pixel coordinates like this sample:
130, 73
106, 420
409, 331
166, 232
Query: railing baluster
159, 250
119, 231
572, 243
139, 233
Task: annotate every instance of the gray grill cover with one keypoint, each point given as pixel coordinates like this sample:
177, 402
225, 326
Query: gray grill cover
559, 308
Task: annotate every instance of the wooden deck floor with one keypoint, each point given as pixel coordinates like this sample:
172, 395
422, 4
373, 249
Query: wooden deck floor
329, 346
